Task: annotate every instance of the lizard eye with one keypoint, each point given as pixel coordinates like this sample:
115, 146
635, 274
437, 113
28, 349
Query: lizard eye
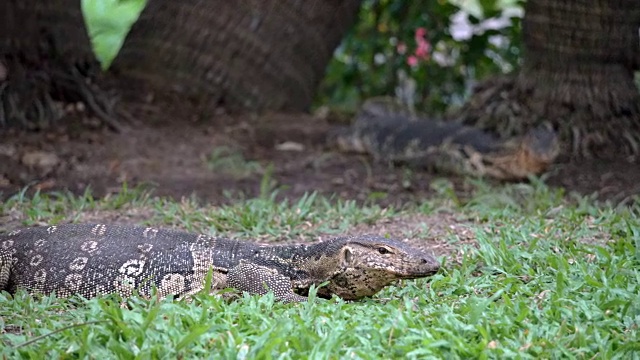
383, 250
348, 257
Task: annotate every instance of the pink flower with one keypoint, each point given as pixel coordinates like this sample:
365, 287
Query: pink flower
420, 33
422, 51
412, 61
401, 48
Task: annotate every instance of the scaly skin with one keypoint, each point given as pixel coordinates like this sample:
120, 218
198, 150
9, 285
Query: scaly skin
389, 134
96, 259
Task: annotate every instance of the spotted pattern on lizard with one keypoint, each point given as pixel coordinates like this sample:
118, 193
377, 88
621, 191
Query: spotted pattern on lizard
386, 132
98, 259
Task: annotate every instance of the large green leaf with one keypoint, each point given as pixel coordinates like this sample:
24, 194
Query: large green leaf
108, 22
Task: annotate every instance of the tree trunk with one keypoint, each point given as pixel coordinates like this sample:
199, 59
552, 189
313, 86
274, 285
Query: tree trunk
577, 74
36, 29
249, 54
45, 55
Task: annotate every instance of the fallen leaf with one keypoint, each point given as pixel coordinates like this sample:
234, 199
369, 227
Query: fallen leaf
290, 146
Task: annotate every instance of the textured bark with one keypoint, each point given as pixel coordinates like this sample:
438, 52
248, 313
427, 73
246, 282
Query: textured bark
37, 29
249, 54
577, 73
45, 54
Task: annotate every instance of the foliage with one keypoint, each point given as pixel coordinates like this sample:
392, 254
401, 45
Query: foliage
108, 22
465, 43
546, 278
441, 46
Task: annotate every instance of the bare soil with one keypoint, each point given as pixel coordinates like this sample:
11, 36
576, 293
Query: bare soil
178, 156
231, 155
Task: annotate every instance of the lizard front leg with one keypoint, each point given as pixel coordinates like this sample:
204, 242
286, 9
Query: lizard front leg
257, 279
5, 269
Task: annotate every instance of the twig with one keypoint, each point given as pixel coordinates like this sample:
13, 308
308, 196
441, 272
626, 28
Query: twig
29, 342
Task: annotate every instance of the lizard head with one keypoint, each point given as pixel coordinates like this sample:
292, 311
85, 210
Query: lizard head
369, 263
542, 143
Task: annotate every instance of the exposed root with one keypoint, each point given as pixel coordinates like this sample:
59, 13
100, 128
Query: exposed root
604, 141
36, 98
95, 99
492, 108
27, 103
509, 109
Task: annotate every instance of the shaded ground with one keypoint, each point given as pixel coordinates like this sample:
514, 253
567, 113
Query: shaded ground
231, 155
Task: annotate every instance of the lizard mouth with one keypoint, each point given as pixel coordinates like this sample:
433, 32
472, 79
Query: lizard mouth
417, 275
425, 271
423, 275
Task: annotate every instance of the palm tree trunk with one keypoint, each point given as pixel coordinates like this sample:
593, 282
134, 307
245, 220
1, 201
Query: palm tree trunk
45, 59
577, 74
250, 54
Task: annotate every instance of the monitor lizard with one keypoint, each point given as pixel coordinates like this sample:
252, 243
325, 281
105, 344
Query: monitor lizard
97, 259
387, 132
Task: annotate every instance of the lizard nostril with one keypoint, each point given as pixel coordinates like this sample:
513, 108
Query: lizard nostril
424, 261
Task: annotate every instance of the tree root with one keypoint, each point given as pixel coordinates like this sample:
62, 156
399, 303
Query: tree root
507, 109
36, 98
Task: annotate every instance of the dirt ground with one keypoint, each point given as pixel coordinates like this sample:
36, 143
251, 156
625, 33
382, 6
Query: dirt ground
231, 155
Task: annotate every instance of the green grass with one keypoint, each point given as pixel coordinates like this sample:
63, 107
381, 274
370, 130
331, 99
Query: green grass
227, 160
550, 276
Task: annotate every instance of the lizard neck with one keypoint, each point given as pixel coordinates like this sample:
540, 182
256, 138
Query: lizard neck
307, 262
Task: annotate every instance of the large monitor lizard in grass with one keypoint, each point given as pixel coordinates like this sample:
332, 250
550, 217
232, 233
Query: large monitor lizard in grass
95, 259
388, 132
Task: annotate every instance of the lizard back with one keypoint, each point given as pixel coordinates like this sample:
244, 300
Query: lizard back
96, 259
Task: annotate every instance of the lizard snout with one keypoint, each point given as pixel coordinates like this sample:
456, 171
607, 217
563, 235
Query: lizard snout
431, 264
